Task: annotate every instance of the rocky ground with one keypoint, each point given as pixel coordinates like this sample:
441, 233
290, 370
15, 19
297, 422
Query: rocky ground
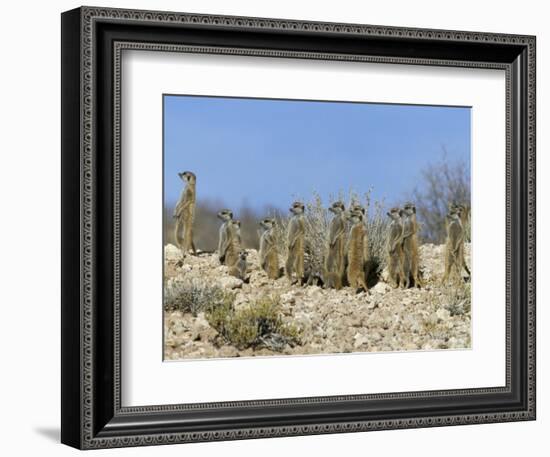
329, 321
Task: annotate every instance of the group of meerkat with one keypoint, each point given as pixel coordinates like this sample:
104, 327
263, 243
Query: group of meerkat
455, 260
230, 252
341, 257
402, 247
345, 253
347, 250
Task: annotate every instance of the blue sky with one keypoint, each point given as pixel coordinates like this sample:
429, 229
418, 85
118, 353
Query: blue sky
262, 151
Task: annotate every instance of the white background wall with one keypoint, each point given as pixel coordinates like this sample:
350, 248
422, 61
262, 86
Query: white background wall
30, 240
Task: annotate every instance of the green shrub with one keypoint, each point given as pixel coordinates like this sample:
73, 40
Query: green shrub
258, 325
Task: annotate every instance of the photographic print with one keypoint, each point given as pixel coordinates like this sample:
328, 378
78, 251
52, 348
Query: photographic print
301, 227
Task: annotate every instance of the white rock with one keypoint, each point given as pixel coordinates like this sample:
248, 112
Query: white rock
443, 314
360, 340
288, 298
172, 253
230, 282
381, 288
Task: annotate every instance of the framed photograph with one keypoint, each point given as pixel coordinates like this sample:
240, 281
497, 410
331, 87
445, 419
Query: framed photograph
275, 227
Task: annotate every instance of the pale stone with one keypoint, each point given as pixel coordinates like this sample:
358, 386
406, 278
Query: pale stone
172, 253
360, 340
230, 282
443, 314
381, 288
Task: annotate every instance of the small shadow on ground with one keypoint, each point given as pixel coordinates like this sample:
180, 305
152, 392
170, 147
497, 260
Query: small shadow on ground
51, 433
371, 272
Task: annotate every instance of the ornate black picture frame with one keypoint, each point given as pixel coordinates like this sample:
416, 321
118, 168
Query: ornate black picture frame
92, 42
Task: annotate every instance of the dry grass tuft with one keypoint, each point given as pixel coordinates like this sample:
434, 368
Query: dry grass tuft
195, 296
458, 299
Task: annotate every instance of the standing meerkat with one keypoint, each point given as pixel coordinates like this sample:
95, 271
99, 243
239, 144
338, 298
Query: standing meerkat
269, 255
464, 215
295, 243
335, 256
453, 246
184, 213
366, 254
464, 212
234, 246
395, 248
225, 234
356, 261
410, 245
239, 268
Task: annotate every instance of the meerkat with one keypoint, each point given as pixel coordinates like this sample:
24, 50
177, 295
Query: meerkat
335, 255
234, 245
355, 270
236, 225
395, 248
225, 234
410, 245
239, 268
366, 253
269, 255
464, 212
464, 215
184, 213
453, 246
296, 243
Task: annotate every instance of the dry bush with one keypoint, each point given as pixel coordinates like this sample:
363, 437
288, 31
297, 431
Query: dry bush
258, 325
194, 296
442, 183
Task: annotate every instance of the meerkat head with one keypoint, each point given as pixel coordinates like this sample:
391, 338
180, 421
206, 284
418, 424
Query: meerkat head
456, 209
267, 223
236, 223
225, 215
243, 254
188, 176
454, 214
337, 207
355, 217
357, 207
453, 207
409, 209
394, 214
297, 208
